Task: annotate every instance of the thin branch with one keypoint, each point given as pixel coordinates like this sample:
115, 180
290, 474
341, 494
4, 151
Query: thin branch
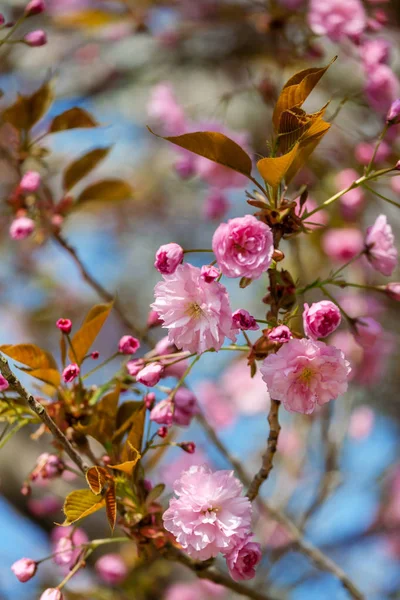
40, 411
99, 289
268, 457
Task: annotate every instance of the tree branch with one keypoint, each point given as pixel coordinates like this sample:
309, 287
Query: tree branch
40, 411
268, 457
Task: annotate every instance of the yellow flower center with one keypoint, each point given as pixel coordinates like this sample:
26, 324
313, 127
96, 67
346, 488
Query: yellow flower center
194, 310
306, 375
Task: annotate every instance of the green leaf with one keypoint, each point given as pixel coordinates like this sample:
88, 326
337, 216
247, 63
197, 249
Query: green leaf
86, 335
74, 118
214, 146
79, 504
106, 190
82, 166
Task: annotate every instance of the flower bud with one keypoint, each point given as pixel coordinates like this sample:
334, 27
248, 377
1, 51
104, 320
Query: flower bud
24, 569
2, 19
244, 320
393, 115
134, 366
71, 372
216, 205
368, 331
64, 325
162, 432
111, 569
4, 385
128, 345
21, 228
95, 355
150, 375
149, 400
209, 273
52, 594
392, 290
35, 7
189, 447
34, 39
30, 182
162, 413
320, 319
168, 257
185, 167
153, 320
280, 334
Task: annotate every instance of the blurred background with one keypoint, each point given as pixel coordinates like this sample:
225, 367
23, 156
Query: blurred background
189, 65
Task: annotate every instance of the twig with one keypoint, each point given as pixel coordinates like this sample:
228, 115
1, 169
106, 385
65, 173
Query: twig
41, 412
100, 290
268, 457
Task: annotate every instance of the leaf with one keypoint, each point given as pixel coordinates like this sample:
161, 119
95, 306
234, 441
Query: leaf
126, 415
128, 466
81, 167
135, 436
50, 376
307, 145
102, 424
79, 504
106, 190
214, 146
111, 505
30, 355
293, 124
273, 170
28, 110
90, 18
96, 478
74, 118
85, 336
155, 493
297, 89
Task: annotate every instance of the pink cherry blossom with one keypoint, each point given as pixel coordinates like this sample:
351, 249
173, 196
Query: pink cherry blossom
243, 559
111, 569
368, 332
163, 107
209, 273
52, 594
195, 590
4, 385
382, 87
134, 366
67, 542
320, 319
375, 51
280, 334
317, 220
216, 205
128, 344
64, 325
24, 569
352, 201
35, 7
48, 466
71, 372
197, 314
247, 394
21, 228
243, 320
337, 19
30, 182
150, 374
168, 257
305, 373
243, 247
392, 290
35, 38
179, 410
364, 152
343, 244
218, 409
210, 514
361, 422
393, 115
379, 242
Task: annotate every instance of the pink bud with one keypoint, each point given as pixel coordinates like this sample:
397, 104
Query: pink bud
4, 385
368, 331
128, 345
2, 19
52, 594
71, 372
185, 407
149, 400
209, 273
150, 375
64, 325
216, 205
162, 413
243, 559
320, 319
168, 257
111, 569
243, 320
35, 39
185, 167
392, 290
189, 447
393, 115
30, 182
95, 355
397, 167
280, 334
24, 569
35, 7
153, 320
162, 432
21, 228
134, 366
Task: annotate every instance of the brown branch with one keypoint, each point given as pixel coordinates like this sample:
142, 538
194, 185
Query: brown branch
99, 289
40, 411
203, 572
268, 457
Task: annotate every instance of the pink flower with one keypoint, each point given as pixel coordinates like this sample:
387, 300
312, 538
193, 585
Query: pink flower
4, 385
382, 88
375, 51
24, 569
321, 319
71, 372
134, 366
244, 320
168, 257
343, 244
150, 375
47, 466
209, 273
247, 394
352, 201
217, 407
162, 413
21, 228
164, 108
64, 325
210, 514
52, 594
316, 221
364, 152
111, 569
361, 422
216, 205
280, 334
185, 166
393, 115
186, 406
30, 182
44, 506
35, 38
35, 7
189, 447
368, 332
243, 559
195, 590
379, 242
243, 247
337, 19
67, 544
392, 290
197, 315
153, 319
304, 373
128, 345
